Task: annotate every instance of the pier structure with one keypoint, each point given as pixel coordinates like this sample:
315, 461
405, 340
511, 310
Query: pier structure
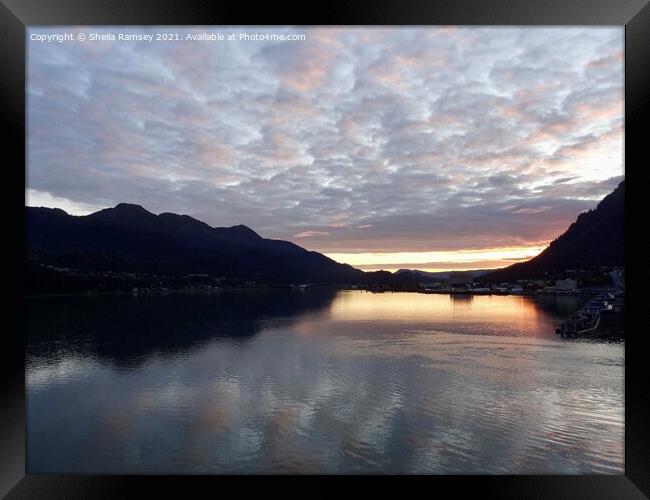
586, 321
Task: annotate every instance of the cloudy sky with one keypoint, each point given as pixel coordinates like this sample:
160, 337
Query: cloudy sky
433, 148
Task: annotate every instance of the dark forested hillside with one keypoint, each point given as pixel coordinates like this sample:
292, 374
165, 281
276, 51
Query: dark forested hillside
595, 239
128, 238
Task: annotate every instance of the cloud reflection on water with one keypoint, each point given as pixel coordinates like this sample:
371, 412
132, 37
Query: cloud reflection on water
410, 398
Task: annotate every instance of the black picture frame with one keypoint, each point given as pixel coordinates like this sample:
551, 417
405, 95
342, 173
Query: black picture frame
17, 15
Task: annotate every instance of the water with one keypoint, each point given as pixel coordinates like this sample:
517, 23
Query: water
318, 382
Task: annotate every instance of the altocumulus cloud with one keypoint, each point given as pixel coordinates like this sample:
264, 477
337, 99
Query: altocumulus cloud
352, 140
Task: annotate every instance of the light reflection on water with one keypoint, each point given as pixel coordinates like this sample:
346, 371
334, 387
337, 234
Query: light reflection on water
318, 382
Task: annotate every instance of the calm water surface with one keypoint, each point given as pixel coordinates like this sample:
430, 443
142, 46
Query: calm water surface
322, 382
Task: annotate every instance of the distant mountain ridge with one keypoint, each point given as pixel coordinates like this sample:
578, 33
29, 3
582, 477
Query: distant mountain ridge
595, 239
127, 237
438, 276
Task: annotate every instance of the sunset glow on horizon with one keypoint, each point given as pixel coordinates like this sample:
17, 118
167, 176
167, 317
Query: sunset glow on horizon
457, 260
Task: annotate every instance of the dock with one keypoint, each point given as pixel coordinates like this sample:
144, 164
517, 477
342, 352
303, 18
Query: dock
601, 316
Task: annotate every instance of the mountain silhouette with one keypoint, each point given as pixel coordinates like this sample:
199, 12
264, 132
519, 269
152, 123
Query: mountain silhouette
128, 238
595, 239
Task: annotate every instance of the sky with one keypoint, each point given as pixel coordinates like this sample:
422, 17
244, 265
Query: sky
411, 147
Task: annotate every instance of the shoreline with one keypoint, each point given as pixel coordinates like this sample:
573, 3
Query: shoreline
576, 293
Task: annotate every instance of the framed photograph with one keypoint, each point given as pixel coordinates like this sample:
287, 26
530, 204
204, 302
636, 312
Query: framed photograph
375, 241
